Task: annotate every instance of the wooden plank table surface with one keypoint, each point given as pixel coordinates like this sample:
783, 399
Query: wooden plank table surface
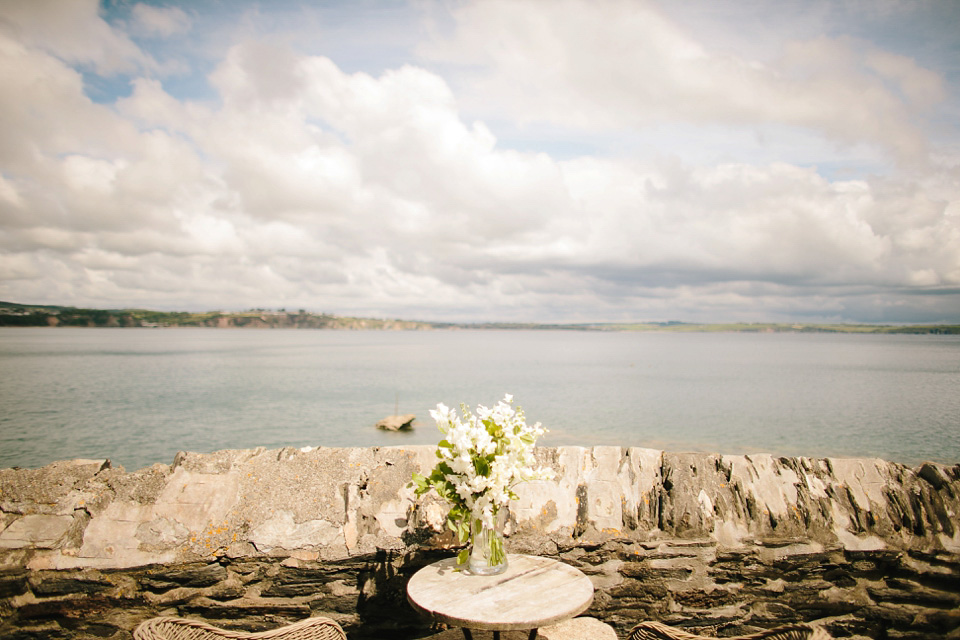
533, 592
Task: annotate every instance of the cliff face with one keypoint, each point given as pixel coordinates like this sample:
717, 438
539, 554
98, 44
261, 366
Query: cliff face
718, 543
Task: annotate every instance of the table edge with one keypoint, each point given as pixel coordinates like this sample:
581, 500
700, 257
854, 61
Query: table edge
503, 626
497, 626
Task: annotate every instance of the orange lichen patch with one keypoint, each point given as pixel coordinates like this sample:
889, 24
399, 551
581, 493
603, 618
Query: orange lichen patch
213, 539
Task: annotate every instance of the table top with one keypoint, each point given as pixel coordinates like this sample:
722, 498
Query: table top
533, 592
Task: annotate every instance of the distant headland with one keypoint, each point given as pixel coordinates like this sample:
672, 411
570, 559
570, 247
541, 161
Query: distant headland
24, 315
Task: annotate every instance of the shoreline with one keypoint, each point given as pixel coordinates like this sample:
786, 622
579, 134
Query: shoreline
20, 315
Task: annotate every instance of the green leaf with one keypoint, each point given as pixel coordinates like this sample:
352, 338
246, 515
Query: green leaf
481, 466
463, 557
453, 524
445, 490
495, 430
421, 484
445, 444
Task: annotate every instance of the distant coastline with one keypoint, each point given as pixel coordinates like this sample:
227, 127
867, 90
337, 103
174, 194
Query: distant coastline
24, 315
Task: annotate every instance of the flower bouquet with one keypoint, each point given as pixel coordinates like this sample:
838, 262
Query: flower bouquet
482, 457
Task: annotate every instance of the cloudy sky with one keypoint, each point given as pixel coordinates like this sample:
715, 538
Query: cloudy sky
552, 161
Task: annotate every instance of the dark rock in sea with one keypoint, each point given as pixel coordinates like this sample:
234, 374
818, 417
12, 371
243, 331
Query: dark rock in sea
397, 423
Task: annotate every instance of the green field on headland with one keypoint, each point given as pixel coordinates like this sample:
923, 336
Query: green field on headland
20, 315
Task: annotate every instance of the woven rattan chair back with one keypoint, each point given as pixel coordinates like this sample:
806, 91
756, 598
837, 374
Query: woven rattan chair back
658, 631
182, 629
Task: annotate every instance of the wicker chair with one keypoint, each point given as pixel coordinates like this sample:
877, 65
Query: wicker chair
182, 629
657, 631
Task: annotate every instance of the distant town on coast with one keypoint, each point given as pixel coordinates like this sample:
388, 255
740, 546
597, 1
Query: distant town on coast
24, 315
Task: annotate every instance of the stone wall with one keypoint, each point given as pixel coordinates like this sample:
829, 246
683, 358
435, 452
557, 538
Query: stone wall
252, 539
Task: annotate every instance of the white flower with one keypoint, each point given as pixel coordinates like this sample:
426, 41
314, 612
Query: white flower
484, 454
442, 416
462, 464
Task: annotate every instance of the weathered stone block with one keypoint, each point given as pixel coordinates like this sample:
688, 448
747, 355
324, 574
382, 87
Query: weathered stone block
198, 500
206, 608
708, 598
578, 628
282, 531
645, 571
291, 582
909, 592
36, 532
192, 576
60, 584
40, 490
12, 583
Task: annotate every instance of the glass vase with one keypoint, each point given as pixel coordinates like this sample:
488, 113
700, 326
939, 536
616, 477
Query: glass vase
487, 555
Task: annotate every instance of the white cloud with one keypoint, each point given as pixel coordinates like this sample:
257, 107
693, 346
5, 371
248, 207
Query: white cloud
304, 185
74, 32
919, 86
43, 108
621, 63
159, 21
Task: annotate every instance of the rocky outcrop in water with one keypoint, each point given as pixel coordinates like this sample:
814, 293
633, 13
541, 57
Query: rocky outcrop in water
397, 423
719, 544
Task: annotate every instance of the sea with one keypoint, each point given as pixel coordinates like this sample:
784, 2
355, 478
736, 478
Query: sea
138, 396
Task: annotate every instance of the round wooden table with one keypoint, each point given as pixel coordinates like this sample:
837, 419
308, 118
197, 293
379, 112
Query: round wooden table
533, 592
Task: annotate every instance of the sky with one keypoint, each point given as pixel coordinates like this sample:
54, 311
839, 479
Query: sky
529, 161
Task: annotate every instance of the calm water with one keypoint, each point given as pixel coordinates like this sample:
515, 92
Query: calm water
137, 396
